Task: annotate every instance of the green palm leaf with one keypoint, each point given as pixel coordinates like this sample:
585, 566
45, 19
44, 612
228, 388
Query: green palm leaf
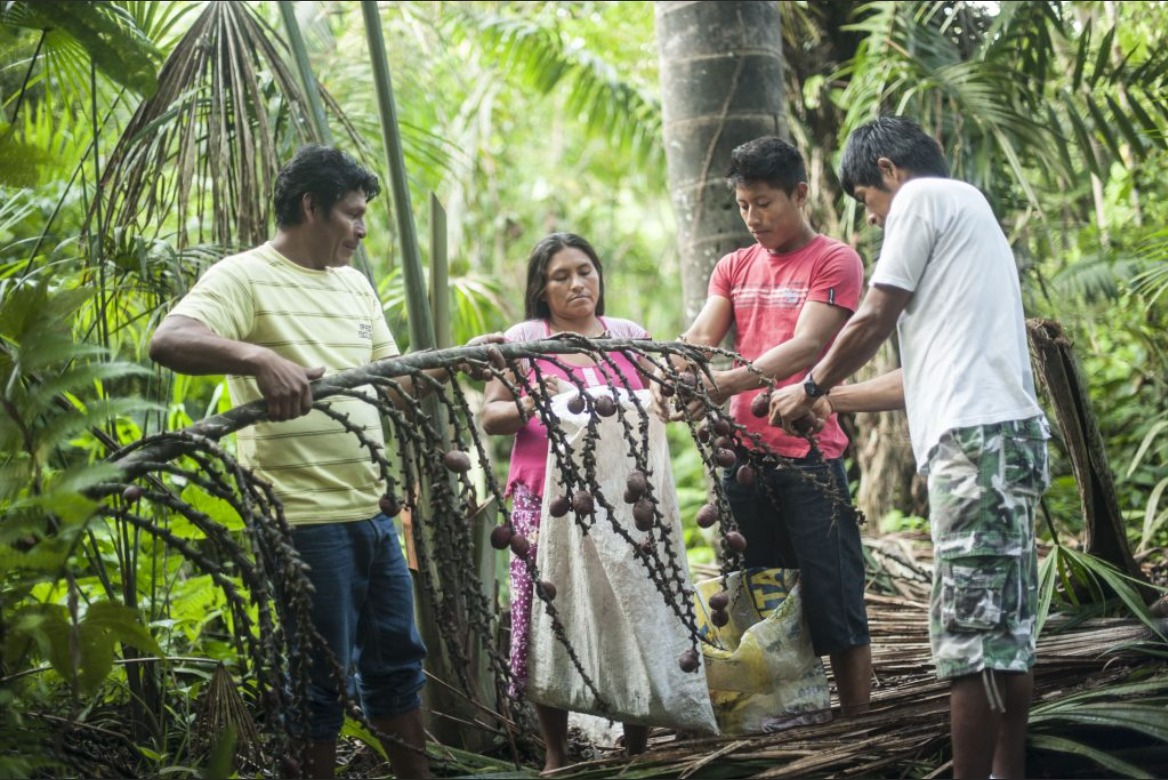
1103, 759
543, 60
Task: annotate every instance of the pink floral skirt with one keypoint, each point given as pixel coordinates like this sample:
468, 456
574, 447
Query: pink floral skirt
526, 508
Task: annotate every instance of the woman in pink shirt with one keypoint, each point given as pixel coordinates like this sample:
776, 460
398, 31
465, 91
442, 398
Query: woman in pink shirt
565, 294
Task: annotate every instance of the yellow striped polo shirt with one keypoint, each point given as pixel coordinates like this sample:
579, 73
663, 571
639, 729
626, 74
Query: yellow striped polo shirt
329, 318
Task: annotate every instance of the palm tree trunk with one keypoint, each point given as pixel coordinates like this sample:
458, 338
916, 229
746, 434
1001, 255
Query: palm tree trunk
721, 85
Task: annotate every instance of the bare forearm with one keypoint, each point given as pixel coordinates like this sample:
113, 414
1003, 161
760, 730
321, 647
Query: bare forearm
503, 418
788, 358
885, 393
856, 345
862, 336
199, 351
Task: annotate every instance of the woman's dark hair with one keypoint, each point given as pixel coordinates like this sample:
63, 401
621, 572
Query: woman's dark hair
324, 172
767, 159
535, 308
899, 139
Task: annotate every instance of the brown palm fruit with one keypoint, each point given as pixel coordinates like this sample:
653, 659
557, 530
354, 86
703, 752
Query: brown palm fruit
605, 406
501, 537
519, 545
704, 434
643, 514
132, 493
637, 483
722, 426
559, 506
549, 590
720, 600
760, 406
719, 617
456, 461
745, 475
576, 404
666, 390
723, 442
389, 505
495, 356
688, 661
583, 502
707, 515
646, 546
736, 541
724, 457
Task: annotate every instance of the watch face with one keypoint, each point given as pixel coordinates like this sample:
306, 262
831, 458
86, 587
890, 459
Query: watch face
812, 389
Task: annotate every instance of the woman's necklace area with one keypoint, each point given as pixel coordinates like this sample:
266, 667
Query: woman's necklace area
602, 334
578, 360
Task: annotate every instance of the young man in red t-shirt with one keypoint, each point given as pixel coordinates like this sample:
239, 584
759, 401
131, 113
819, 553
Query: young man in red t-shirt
787, 296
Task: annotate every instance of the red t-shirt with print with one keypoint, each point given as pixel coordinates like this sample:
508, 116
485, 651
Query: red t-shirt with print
767, 291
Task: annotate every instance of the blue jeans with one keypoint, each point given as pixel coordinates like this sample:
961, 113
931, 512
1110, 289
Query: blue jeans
363, 607
802, 529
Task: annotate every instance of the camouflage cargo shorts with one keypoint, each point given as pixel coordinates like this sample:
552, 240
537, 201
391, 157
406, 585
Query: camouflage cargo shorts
985, 482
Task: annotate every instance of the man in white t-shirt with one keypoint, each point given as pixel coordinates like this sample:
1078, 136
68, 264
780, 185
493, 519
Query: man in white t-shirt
947, 281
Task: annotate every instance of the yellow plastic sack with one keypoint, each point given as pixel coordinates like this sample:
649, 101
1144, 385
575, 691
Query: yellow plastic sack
762, 672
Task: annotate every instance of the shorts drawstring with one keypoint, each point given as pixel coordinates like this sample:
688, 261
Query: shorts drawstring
992, 694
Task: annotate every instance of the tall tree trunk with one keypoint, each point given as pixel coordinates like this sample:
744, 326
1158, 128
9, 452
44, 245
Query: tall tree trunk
721, 69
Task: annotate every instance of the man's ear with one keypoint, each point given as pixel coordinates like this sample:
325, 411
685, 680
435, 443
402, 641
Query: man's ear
891, 173
307, 207
800, 193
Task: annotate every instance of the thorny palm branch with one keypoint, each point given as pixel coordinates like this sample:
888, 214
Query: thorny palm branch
203, 152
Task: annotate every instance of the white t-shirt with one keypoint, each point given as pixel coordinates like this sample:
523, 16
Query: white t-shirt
963, 333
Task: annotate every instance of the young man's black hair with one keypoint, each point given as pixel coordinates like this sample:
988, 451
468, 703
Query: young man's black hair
325, 173
768, 159
901, 140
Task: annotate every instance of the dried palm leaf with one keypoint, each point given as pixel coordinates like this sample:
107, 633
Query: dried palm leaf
200, 157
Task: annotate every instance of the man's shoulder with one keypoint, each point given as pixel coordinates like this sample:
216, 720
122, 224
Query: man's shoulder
742, 258
932, 188
248, 262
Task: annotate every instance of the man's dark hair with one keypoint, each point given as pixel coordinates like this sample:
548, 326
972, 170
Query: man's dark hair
899, 139
767, 159
324, 172
541, 255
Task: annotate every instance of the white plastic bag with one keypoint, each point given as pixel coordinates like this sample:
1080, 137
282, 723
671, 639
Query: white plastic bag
627, 639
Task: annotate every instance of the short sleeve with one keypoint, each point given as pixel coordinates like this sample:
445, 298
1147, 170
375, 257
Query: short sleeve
722, 279
222, 300
384, 345
838, 279
909, 238
624, 329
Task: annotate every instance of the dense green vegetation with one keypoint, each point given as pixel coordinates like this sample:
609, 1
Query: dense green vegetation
132, 156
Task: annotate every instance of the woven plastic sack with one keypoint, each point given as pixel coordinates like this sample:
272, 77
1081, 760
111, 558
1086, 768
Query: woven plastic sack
626, 638
762, 671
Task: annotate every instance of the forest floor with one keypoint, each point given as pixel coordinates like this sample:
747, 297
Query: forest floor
1082, 664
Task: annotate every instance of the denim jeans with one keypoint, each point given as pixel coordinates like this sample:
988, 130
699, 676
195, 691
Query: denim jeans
363, 607
802, 529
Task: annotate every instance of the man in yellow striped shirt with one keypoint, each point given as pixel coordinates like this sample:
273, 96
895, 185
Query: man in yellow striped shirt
273, 319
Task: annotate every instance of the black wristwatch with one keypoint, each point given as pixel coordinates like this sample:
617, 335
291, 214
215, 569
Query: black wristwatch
813, 390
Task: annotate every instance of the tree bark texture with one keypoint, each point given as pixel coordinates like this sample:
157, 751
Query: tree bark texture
721, 67
1059, 374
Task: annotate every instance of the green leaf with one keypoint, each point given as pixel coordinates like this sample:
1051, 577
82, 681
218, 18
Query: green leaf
121, 623
1103, 759
118, 48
